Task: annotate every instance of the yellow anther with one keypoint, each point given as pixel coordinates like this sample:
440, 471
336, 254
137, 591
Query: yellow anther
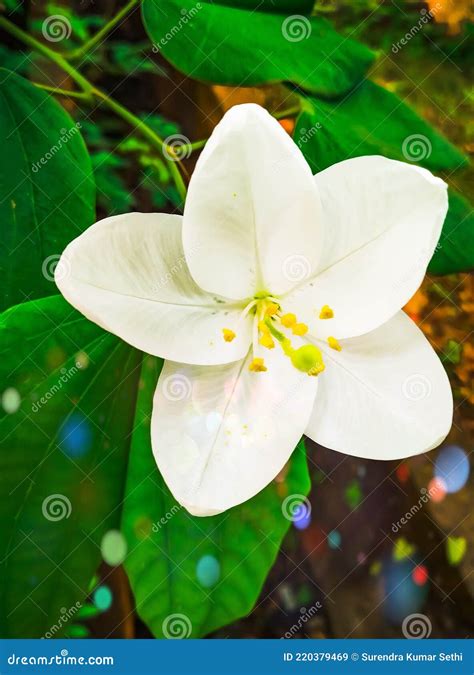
326, 312
308, 359
300, 329
316, 370
288, 320
257, 365
272, 309
334, 344
228, 334
262, 327
267, 341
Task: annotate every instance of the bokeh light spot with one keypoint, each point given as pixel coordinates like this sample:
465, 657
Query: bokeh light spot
113, 547
302, 516
437, 490
334, 539
208, 571
402, 595
75, 436
11, 400
420, 575
452, 467
102, 598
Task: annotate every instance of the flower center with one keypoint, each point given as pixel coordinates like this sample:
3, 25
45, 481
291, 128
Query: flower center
272, 327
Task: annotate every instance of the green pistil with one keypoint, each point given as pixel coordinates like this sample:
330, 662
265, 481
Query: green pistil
274, 331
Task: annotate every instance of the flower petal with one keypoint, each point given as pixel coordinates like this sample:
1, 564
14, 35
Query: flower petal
129, 275
382, 222
220, 434
384, 396
252, 205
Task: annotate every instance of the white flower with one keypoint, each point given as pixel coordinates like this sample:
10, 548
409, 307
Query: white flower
309, 275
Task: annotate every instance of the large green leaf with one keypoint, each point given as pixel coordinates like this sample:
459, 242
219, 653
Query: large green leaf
63, 458
455, 250
370, 121
234, 550
290, 6
238, 46
47, 193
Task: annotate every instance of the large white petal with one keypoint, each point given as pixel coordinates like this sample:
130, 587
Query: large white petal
384, 396
253, 206
382, 222
220, 434
129, 275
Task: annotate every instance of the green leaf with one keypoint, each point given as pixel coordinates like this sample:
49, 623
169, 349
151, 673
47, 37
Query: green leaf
452, 352
455, 250
63, 459
370, 121
46, 188
11, 59
87, 611
76, 631
166, 543
130, 58
290, 6
113, 194
237, 46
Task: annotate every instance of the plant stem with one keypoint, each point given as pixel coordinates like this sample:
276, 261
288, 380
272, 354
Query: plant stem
288, 112
195, 145
90, 90
84, 49
63, 92
46, 51
148, 133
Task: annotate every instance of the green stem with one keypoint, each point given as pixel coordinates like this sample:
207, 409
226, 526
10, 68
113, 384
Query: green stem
46, 51
148, 133
63, 92
288, 112
90, 90
195, 145
84, 49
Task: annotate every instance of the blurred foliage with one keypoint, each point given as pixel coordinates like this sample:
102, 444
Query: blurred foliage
357, 116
